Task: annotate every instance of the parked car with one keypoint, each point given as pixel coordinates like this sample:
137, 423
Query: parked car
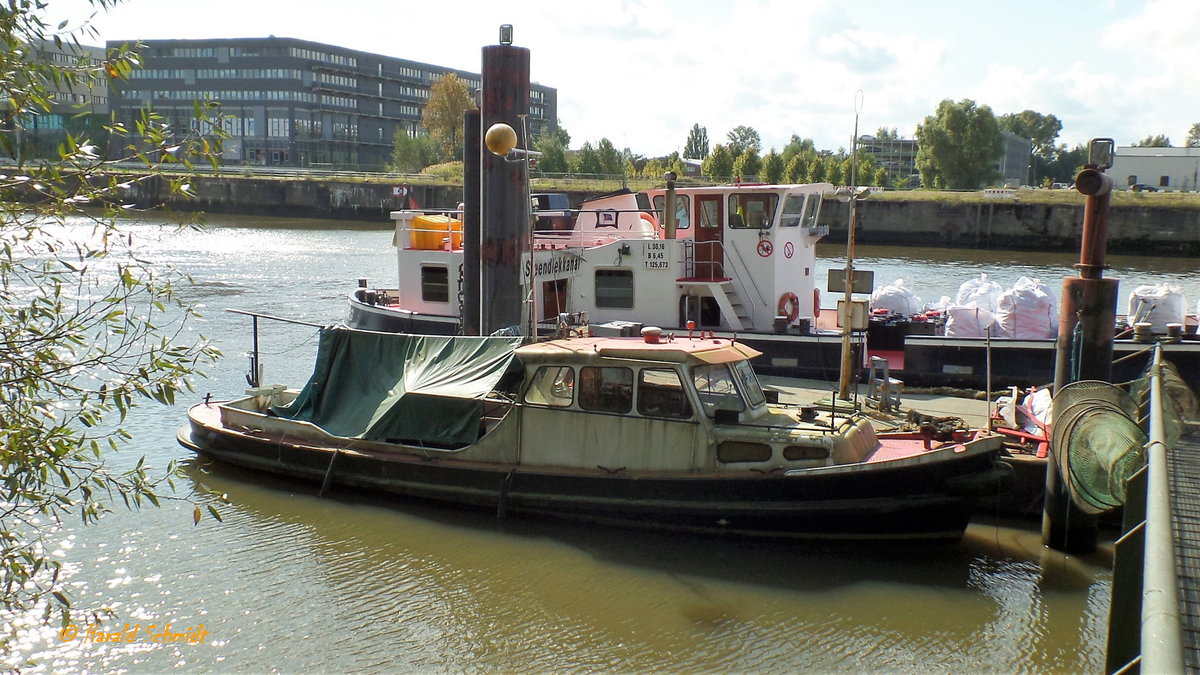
1142, 187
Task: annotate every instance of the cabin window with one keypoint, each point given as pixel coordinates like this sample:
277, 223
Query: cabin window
661, 394
553, 386
793, 211
814, 210
752, 210
743, 451
614, 289
716, 388
750, 385
796, 453
606, 389
435, 283
682, 211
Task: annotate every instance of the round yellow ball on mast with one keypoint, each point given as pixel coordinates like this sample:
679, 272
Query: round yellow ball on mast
500, 139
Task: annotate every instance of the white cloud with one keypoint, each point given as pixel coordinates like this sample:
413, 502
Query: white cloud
642, 72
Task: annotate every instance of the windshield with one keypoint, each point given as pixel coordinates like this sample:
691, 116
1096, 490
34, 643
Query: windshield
750, 384
717, 389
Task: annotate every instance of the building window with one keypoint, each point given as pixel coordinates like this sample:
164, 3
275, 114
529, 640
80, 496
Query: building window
278, 127
553, 386
614, 289
661, 394
1164, 181
435, 283
606, 389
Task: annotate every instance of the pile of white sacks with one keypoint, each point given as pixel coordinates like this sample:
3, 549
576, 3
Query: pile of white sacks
1158, 306
1028, 310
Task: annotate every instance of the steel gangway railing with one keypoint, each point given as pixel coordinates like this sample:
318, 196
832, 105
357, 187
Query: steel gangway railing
1144, 631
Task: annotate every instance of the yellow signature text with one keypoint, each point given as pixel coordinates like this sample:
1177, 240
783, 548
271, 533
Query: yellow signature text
166, 633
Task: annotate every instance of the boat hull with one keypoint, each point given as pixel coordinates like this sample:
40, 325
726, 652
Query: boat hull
924, 361
921, 501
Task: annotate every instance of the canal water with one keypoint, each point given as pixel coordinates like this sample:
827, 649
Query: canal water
293, 582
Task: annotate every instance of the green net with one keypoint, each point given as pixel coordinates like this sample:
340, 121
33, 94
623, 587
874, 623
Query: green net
1179, 402
1096, 442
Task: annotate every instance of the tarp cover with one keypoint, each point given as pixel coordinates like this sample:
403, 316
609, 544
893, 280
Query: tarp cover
381, 386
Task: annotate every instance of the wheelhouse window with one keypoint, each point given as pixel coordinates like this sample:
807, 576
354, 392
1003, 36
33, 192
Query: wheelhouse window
660, 393
753, 210
682, 211
813, 211
552, 386
435, 283
717, 390
606, 389
614, 289
793, 211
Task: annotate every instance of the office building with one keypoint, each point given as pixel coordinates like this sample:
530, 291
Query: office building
289, 102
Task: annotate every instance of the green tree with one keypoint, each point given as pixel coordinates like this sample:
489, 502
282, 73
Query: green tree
747, 165
958, 146
554, 154
744, 138
797, 169
410, 154
772, 167
610, 160
697, 143
1159, 141
886, 134
1041, 130
442, 117
560, 136
89, 328
834, 172
817, 169
798, 146
587, 161
1066, 164
654, 168
880, 177
1193, 137
718, 164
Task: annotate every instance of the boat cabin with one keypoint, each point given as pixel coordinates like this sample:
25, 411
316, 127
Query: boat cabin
742, 258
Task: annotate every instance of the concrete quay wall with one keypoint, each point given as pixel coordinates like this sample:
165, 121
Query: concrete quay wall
1011, 225
1000, 224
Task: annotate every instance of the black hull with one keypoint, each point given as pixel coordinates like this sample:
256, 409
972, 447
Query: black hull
365, 316
925, 501
929, 361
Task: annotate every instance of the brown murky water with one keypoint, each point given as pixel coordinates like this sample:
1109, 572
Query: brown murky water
293, 582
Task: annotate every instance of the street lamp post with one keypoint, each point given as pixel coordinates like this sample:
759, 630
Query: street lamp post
853, 195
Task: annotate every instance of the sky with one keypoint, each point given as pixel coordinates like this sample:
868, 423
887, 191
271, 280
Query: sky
641, 73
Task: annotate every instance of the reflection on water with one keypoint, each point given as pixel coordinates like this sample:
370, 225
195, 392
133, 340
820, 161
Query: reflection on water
293, 582
298, 582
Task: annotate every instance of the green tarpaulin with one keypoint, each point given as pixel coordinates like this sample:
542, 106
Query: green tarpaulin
415, 388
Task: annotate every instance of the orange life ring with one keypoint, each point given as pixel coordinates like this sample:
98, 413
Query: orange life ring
789, 306
649, 217
816, 302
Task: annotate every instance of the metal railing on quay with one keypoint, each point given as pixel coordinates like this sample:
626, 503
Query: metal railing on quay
1144, 632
